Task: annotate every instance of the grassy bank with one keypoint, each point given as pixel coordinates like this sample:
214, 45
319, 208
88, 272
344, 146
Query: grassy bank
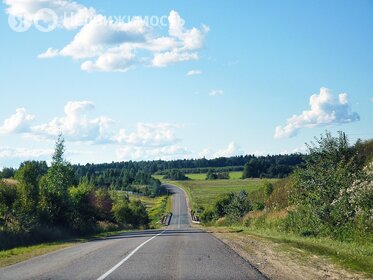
19, 254
355, 257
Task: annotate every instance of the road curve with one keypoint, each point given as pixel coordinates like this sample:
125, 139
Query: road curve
179, 252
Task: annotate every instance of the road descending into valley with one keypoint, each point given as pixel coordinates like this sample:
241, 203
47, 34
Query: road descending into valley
178, 252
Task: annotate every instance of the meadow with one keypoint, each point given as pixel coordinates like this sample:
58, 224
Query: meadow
203, 193
234, 175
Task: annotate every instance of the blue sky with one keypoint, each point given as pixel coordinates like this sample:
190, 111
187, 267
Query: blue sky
121, 90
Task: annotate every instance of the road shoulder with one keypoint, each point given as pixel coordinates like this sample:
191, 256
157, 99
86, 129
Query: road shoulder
279, 261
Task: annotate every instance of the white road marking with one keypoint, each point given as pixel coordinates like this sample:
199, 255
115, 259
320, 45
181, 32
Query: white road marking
102, 277
179, 212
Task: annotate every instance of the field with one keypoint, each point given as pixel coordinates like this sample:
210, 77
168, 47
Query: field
203, 193
202, 176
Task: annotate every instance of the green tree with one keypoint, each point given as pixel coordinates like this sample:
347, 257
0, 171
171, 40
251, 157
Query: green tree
54, 186
331, 169
268, 188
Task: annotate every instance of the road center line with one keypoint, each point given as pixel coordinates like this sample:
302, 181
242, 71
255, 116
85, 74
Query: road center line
102, 277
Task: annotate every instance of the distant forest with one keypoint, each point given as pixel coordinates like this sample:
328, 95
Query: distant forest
122, 175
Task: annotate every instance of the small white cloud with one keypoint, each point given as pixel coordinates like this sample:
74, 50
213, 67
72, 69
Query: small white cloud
326, 109
18, 123
174, 56
216, 92
231, 150
371, 99
194, 72
148, 134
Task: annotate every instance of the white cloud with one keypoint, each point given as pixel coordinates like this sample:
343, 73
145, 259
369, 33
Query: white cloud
114, 46
148, 134
70, 14
18, 123
194, 72
23, 153
231, 150
371, 99
326, 109
152, 153
216, 92
76, 125
166, 58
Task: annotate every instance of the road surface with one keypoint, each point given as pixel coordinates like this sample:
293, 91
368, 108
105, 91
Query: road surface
179, 252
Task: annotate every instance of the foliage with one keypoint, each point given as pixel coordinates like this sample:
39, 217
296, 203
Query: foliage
232, 205
47, 204
329, 191
175, 175
7, 173
212, 175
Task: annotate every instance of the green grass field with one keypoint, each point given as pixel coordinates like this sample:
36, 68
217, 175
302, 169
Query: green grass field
235, 175
203, 193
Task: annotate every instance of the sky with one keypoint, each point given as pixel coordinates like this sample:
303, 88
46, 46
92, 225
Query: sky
144, 80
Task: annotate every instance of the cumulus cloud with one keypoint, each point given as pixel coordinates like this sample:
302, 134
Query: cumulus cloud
216, 92
148, 134
231, 150
76, 124
194, 72
17, 123
326, 109
106, 45
71, 15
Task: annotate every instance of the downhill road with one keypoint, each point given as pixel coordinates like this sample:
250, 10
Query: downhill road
178, 252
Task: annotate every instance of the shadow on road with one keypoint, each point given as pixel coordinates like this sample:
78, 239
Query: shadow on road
149, 233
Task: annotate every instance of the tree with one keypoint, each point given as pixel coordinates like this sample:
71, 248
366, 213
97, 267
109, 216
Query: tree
268, 188
28, 177
54, 186
330, 170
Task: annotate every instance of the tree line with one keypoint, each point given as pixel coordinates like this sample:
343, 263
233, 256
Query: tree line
51, 203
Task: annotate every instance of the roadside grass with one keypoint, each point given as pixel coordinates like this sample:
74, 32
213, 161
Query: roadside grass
16, 255
355, 257
19, 254
203, 193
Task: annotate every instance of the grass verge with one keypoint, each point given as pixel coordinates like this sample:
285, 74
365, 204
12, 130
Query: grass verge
353, 257
16, 255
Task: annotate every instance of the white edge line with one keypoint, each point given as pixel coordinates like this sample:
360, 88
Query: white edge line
127, 257
179, 211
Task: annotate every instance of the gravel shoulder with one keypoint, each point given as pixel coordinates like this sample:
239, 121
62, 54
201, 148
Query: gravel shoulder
281, 261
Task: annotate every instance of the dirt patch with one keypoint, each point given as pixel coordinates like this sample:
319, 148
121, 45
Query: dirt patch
282, 262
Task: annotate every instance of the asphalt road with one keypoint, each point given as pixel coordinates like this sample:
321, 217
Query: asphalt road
179, 252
